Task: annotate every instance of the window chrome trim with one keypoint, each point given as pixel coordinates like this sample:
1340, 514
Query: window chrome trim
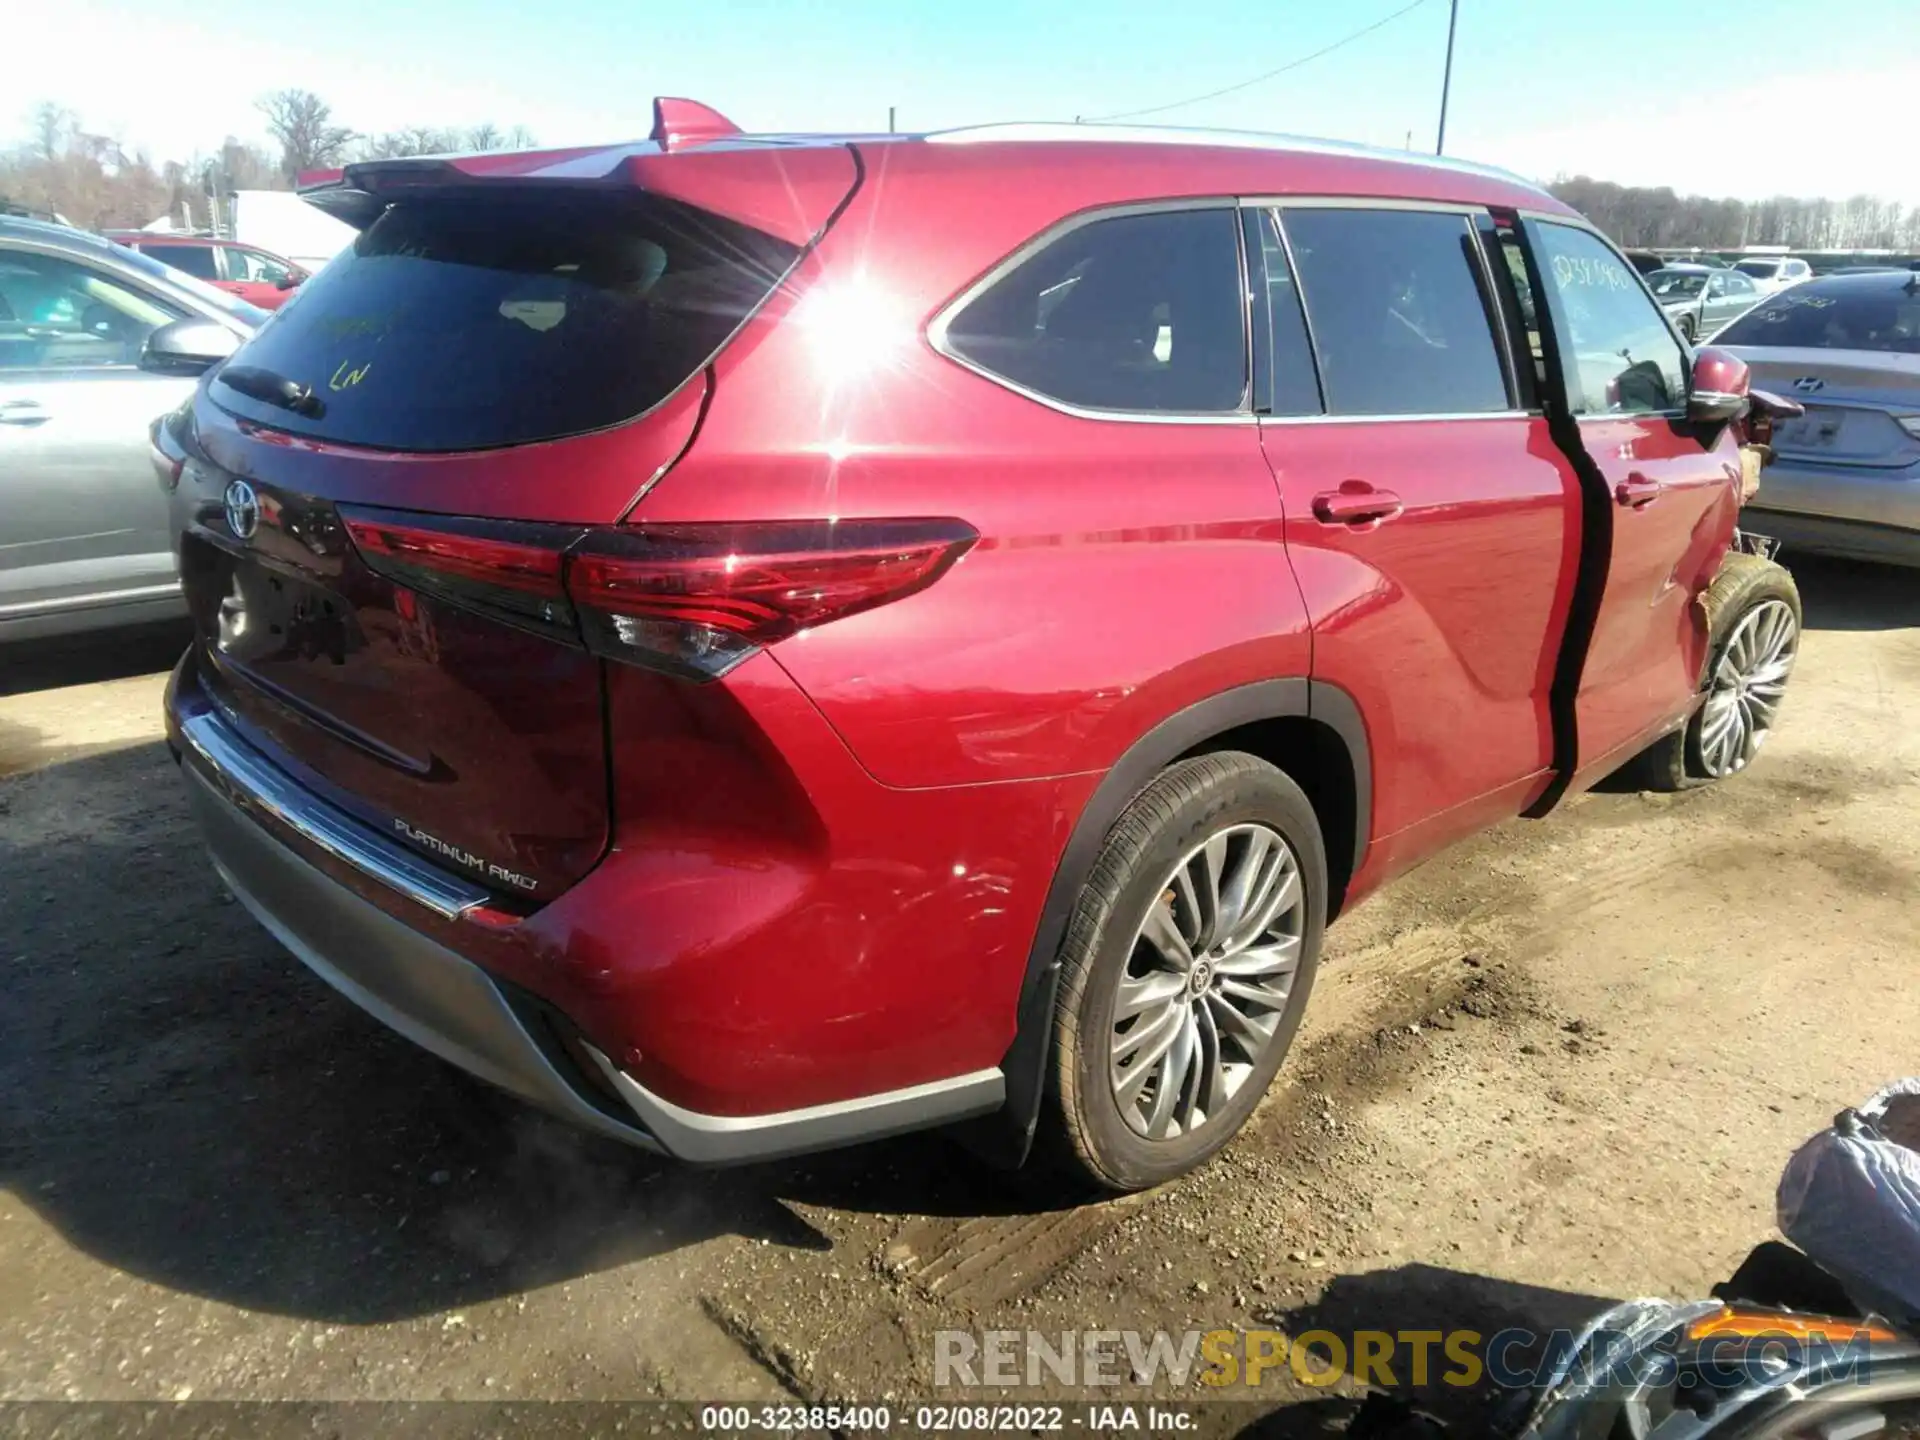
936, 331
1404, 419
1364, 202
253, 783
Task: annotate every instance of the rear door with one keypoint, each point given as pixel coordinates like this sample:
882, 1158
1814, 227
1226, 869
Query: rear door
82, 521
1672, 493
1430, 519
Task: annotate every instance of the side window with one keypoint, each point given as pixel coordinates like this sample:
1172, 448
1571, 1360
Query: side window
1294, 387
1620, 356
1400, 317
1739, 285
1716, 285
58, 315
194, 260
1136, 313
259, 268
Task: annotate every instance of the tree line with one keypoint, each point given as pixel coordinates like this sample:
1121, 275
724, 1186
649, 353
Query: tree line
96, 181
1643, 216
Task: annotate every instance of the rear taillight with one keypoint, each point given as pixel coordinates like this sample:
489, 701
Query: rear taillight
697, 599
510, 571
691, 599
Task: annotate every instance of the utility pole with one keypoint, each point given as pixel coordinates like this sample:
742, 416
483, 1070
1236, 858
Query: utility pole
1446, 81
890, 119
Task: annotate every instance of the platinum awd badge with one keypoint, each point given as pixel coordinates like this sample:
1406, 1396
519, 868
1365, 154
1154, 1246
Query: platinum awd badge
466, 857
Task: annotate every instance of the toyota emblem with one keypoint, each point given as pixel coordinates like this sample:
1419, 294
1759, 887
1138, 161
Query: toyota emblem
1807, 384
243, 509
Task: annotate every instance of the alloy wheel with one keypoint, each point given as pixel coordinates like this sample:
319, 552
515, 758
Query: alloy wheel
1207, 979
1749, 680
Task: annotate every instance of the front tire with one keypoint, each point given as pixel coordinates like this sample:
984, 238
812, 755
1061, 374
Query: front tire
1184, 973
1753, 630
1689, 329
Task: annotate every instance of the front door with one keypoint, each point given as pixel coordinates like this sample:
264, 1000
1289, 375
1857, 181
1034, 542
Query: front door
82, 519
1672, 492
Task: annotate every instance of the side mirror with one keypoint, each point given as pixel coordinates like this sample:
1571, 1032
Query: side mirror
1718, 390
289, 280
187, 347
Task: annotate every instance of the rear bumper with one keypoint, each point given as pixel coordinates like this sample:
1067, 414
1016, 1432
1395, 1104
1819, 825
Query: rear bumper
1864, 512
253, 816
1819, 534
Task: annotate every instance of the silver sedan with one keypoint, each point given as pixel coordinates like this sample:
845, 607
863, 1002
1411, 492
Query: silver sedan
1846, 477
95, 343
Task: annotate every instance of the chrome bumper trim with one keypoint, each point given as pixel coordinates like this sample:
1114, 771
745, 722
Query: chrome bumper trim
730, 1139
253, 782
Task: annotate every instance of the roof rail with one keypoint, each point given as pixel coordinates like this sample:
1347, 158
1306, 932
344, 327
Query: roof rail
1097, 132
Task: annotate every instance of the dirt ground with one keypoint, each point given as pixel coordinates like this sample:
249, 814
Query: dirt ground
1561, 1063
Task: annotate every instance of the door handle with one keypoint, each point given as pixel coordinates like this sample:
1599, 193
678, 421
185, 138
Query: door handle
1355, 503
23, 412
1637, 491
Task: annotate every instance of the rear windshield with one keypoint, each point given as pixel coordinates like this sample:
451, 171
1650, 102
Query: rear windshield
1841, 315
461, 323
1759, 269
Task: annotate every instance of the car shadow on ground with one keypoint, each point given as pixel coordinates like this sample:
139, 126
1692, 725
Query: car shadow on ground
1854, 594
1518, 1321
27, 666
180, 1099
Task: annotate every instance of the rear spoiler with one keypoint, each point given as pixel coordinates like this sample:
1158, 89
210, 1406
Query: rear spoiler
789, 187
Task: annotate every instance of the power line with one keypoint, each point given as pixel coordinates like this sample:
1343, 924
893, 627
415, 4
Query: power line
1271, 74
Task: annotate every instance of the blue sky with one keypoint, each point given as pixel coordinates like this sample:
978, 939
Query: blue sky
1629, 89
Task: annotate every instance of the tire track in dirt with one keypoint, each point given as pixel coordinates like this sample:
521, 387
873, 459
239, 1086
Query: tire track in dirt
1455, 941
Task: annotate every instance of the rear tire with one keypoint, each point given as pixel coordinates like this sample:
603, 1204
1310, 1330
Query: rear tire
1753, 638
1184, 972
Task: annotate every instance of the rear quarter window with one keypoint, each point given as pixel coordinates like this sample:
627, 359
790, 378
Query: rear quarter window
477, 321
1132, 313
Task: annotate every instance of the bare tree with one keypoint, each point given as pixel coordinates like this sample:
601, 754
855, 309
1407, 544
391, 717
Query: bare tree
51, 126
303, 124
426, 140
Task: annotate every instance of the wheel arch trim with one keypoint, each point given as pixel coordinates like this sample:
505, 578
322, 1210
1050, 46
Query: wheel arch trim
1007, 1136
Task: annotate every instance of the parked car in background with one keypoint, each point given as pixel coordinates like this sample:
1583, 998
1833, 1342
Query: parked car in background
1847, 477
958, 660
257, 276
1701, 298
95, 343
1771, 273
1645, 261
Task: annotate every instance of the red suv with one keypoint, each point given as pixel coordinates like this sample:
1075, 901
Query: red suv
756, 644
257, 276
